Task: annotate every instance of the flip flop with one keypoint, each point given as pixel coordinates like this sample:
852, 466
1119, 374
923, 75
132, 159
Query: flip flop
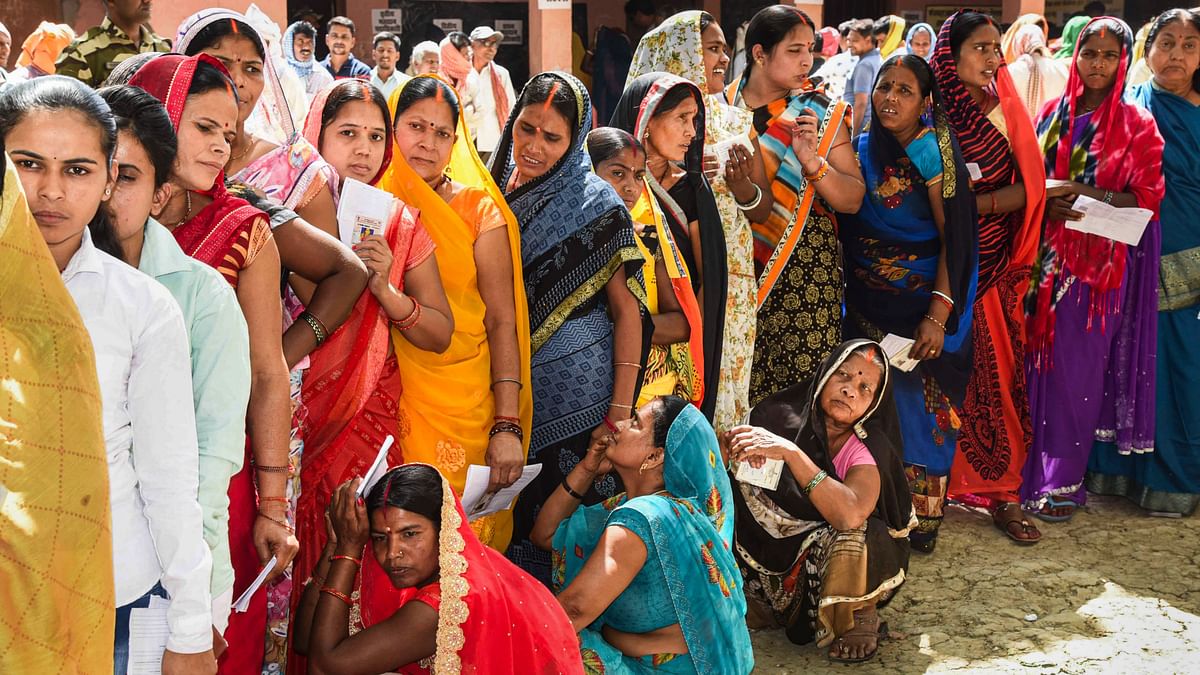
881, 632
1055, 503
1026, 526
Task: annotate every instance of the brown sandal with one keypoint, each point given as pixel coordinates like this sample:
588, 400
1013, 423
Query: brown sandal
864, 627
1009, 514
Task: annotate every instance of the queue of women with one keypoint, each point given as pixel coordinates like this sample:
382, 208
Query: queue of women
199, 372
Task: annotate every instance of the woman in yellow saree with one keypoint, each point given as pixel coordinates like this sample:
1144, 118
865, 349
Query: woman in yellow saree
56, 556
473, 403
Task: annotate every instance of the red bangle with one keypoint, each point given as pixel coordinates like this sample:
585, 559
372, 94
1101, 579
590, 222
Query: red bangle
608, 423
993, 196
356, 561
506, 418
338, 594
944, 302
410, 320
282, 500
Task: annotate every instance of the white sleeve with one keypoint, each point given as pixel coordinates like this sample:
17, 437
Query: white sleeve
166, 461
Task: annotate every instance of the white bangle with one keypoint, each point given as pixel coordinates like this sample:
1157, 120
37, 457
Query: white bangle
753, 202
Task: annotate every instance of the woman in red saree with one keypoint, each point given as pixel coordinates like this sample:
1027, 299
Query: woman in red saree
462, 608
228, 234
353, 386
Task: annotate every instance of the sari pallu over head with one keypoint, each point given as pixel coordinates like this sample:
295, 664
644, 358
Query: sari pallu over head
210, 234
452, 390
892, 247
292, 173
637, 106
912, 32
691, 527
575, 234
493, 617
796, 414
1005, 240
347, 367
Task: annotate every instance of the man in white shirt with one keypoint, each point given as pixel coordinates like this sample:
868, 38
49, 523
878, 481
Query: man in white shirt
494, 96
384, 76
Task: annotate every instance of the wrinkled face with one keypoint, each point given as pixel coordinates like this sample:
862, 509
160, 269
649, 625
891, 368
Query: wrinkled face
485, 50
541, 136
788, 64
851, 390
354, 141
425, 137
302, 47
1099, 58
634, 440
897, 98
922, 43
340, 40
206, 132
406, 546
134, 196
625, 172
130, 11
5, 49
979, 57
428, 64
716, 57
671, 133
1174, 56
63, 169
859, 44
386, 54
240, 57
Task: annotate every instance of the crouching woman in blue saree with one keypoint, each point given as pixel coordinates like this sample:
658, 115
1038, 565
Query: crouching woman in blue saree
648, 577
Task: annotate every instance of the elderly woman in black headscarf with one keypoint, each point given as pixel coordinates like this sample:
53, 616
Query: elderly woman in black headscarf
828, 544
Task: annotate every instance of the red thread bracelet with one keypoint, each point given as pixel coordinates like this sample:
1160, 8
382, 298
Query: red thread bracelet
356, 561
608, 423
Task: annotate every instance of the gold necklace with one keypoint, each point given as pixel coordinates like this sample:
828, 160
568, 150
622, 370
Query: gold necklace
188, 210
246, 152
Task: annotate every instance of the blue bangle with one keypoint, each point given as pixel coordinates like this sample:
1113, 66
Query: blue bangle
816, 480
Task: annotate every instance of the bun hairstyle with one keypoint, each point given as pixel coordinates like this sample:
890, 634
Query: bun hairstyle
416, 488
55, 93
770, 26
604, 143
665, 413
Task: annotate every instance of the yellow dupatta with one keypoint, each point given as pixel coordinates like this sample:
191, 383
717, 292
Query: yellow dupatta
895, 37
447, 407
55, 538
677, 368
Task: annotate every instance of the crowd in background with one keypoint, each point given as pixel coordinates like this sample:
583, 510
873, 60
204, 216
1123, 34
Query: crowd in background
757, 313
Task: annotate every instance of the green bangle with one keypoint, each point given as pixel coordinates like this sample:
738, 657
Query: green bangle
816, 480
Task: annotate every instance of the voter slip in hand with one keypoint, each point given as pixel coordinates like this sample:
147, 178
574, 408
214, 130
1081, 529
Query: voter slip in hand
378, 468
1125, 225
478, 502
766, 476
363, 211
897, 349
243, 602
722, 149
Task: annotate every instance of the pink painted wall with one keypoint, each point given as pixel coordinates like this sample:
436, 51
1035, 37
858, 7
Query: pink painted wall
166, 15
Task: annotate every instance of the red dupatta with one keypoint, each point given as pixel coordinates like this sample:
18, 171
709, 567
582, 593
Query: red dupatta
211, 234
345, 370
493, 616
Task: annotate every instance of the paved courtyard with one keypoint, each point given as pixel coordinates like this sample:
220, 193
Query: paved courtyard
1111, 591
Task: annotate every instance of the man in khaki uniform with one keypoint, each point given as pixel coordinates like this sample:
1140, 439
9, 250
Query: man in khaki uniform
93, 55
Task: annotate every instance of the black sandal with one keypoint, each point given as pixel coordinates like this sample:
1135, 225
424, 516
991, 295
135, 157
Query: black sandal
1003, 518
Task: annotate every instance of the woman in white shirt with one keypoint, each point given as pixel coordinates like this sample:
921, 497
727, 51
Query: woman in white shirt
61, 136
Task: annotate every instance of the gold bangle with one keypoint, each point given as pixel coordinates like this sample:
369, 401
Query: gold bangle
938, 323
631, 365
819, 174
338, 594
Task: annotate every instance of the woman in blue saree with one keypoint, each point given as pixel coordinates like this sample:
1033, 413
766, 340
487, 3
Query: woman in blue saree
589, 327
911, 259
1167, 480
648, 577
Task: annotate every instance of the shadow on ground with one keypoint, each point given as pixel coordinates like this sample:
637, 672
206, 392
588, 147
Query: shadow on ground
1111, 591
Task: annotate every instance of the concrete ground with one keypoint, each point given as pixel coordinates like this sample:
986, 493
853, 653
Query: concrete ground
1111, 591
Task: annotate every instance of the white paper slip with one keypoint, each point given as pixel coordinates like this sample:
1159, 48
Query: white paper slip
1125, 225
148, 633
973, 171
476, 499
897, 349
243, 602
362, 211
765, 477
722, 149
378, 468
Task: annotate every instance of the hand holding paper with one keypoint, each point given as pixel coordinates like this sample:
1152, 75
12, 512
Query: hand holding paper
378, 468
477, 501
363, 211
897, 349
1125, 225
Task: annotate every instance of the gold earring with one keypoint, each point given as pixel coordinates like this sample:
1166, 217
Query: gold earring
642, 468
